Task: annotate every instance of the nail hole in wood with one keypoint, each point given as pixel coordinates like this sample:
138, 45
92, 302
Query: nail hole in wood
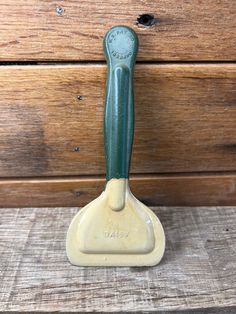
79, 97
77, 193
146, 20
60, 10
76, 149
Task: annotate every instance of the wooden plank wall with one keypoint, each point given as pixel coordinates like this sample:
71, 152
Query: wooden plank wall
73, 30
52, 81
187, 190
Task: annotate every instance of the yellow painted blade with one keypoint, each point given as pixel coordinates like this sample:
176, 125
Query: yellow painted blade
129, 236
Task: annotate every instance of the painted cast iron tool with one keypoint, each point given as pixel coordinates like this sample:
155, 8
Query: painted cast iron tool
116, 229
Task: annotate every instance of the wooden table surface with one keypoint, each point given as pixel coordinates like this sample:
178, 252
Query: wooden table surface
197, 274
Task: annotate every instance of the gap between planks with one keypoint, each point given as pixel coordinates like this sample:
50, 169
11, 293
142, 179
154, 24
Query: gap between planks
92, 63
136, 176
102, 62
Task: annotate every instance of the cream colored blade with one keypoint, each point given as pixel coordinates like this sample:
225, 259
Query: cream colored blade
115, 231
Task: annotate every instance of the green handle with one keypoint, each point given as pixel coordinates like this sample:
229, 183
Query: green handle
120, 48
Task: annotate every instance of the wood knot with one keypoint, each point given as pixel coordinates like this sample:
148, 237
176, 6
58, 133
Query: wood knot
146, 20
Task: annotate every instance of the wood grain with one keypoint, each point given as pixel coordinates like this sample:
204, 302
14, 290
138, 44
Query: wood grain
168, 190
197, 273
185, 119
74, 30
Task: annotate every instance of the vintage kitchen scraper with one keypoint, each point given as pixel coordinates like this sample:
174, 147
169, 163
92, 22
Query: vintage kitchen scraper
116, 229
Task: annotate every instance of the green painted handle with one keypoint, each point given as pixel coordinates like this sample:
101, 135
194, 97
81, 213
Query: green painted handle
120, 48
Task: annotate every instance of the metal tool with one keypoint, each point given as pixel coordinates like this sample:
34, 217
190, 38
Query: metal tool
116, 229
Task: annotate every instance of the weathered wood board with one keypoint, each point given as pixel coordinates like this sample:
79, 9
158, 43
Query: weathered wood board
185, 119
170, 190
197, 274
74, 30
